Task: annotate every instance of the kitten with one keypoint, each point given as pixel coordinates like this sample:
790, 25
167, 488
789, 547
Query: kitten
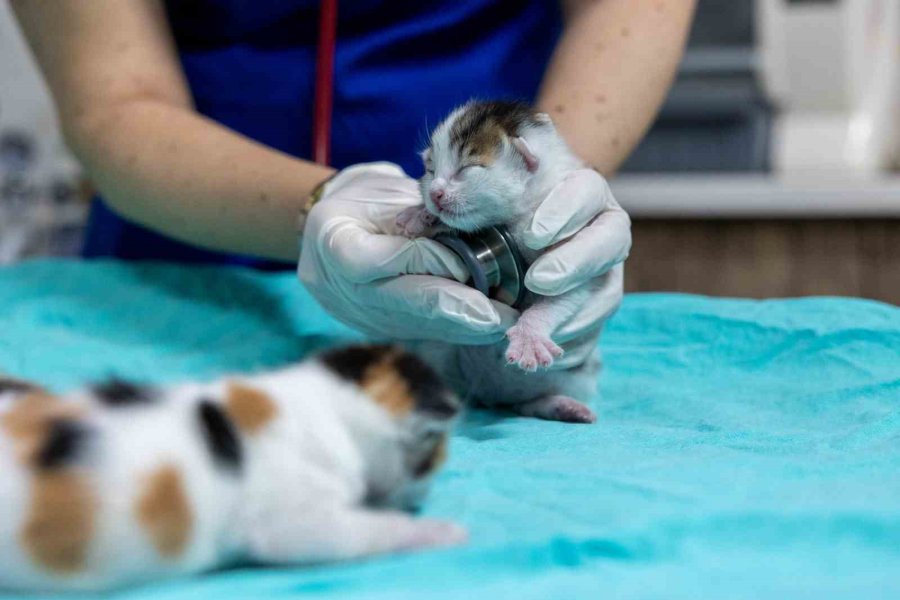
493, 163
120, 483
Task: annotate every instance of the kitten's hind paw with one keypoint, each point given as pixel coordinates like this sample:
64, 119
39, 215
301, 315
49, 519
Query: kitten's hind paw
557, 408
428, 533
530, 349
415, 221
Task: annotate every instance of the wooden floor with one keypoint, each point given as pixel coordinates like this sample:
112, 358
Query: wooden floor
766, 259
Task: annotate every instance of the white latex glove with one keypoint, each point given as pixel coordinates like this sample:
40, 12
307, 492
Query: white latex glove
360, 270
591, 237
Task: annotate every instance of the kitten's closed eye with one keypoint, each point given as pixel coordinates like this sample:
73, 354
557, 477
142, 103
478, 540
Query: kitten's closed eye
426, 160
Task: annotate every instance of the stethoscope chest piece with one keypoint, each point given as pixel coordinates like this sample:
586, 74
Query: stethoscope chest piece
495, 266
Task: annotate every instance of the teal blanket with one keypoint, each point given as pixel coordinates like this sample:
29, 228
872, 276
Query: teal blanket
744, 449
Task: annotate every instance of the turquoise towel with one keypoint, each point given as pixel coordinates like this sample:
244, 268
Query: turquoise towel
744, 449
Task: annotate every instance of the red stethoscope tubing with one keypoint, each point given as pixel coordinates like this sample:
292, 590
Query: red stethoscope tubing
324, 90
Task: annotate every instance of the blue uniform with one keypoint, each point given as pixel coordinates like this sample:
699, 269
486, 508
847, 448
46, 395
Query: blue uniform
399, 67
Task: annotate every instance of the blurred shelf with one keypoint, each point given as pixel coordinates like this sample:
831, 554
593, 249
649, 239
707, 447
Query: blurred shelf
741, 196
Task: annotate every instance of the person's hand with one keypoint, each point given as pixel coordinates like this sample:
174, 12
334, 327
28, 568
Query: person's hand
360, 270
589, 236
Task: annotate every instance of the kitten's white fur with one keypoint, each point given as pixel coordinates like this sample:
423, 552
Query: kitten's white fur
301, 495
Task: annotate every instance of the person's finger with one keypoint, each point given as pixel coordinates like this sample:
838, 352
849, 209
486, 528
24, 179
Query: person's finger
568, 208
591, 252
579, 350
579, 336
439, 309
376, 183
362, 256
604, 301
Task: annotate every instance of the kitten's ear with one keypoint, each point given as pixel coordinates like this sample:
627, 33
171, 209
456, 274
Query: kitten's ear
530, 158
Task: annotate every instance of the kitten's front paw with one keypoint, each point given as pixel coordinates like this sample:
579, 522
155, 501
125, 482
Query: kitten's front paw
428, 533
529, 348
415, 221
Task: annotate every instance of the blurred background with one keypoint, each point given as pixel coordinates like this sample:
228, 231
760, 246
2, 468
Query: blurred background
42, 205
771, 171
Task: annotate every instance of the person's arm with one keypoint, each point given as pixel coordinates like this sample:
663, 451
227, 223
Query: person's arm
611, 71
127, 114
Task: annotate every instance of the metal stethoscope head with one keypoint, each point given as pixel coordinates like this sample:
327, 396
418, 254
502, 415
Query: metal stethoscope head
496, 268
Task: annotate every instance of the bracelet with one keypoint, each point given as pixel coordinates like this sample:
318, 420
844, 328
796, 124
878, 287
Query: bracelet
314, 196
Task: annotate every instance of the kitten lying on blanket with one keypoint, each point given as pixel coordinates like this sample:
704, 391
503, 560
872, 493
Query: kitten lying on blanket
492, 163
119, 483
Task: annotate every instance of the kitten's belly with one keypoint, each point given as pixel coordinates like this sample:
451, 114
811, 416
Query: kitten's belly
480, 374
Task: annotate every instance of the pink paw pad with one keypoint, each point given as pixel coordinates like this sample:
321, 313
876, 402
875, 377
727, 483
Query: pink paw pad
530, 349
430, 534
415, 221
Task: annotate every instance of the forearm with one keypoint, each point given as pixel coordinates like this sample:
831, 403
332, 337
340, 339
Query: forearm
126, 111
611, 71
176, 172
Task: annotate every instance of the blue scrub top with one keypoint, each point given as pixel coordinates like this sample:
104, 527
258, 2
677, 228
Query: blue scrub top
399, 68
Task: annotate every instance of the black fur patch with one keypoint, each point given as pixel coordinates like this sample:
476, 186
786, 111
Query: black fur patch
427, 387
351, 362
118, 392
511, 117
63, 445
221, 437
15, 386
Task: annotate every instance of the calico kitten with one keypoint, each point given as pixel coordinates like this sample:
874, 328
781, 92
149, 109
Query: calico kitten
122, 483
493, 163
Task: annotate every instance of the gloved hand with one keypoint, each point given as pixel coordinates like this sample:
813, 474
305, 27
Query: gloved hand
356, 266
593, 234
360, 270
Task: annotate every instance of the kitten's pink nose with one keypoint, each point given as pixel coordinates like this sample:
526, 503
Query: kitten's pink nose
438, 196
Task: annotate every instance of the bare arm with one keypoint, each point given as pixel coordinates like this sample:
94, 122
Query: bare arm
127, 114
611, 71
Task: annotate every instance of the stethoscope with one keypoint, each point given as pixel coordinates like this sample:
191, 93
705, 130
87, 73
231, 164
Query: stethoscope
495, 265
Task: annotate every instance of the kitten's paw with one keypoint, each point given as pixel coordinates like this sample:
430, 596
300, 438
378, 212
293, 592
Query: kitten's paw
428, 533
557, 408
415, 221
529, 348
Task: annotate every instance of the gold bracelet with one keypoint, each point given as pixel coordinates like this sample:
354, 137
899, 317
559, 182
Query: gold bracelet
311, 201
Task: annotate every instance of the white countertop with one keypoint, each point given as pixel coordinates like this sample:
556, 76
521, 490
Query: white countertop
764, 196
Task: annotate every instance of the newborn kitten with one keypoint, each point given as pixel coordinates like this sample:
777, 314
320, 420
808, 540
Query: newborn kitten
493, 163
120, 483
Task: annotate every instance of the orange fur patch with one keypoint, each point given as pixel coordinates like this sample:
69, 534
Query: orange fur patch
58, 531
482, 147
249, 408
28, 421
164, 512
386, 386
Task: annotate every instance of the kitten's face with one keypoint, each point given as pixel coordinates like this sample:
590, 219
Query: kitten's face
475, 171
470, 192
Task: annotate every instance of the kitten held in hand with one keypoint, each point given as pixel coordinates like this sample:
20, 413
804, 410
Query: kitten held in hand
120, 483
489, 164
